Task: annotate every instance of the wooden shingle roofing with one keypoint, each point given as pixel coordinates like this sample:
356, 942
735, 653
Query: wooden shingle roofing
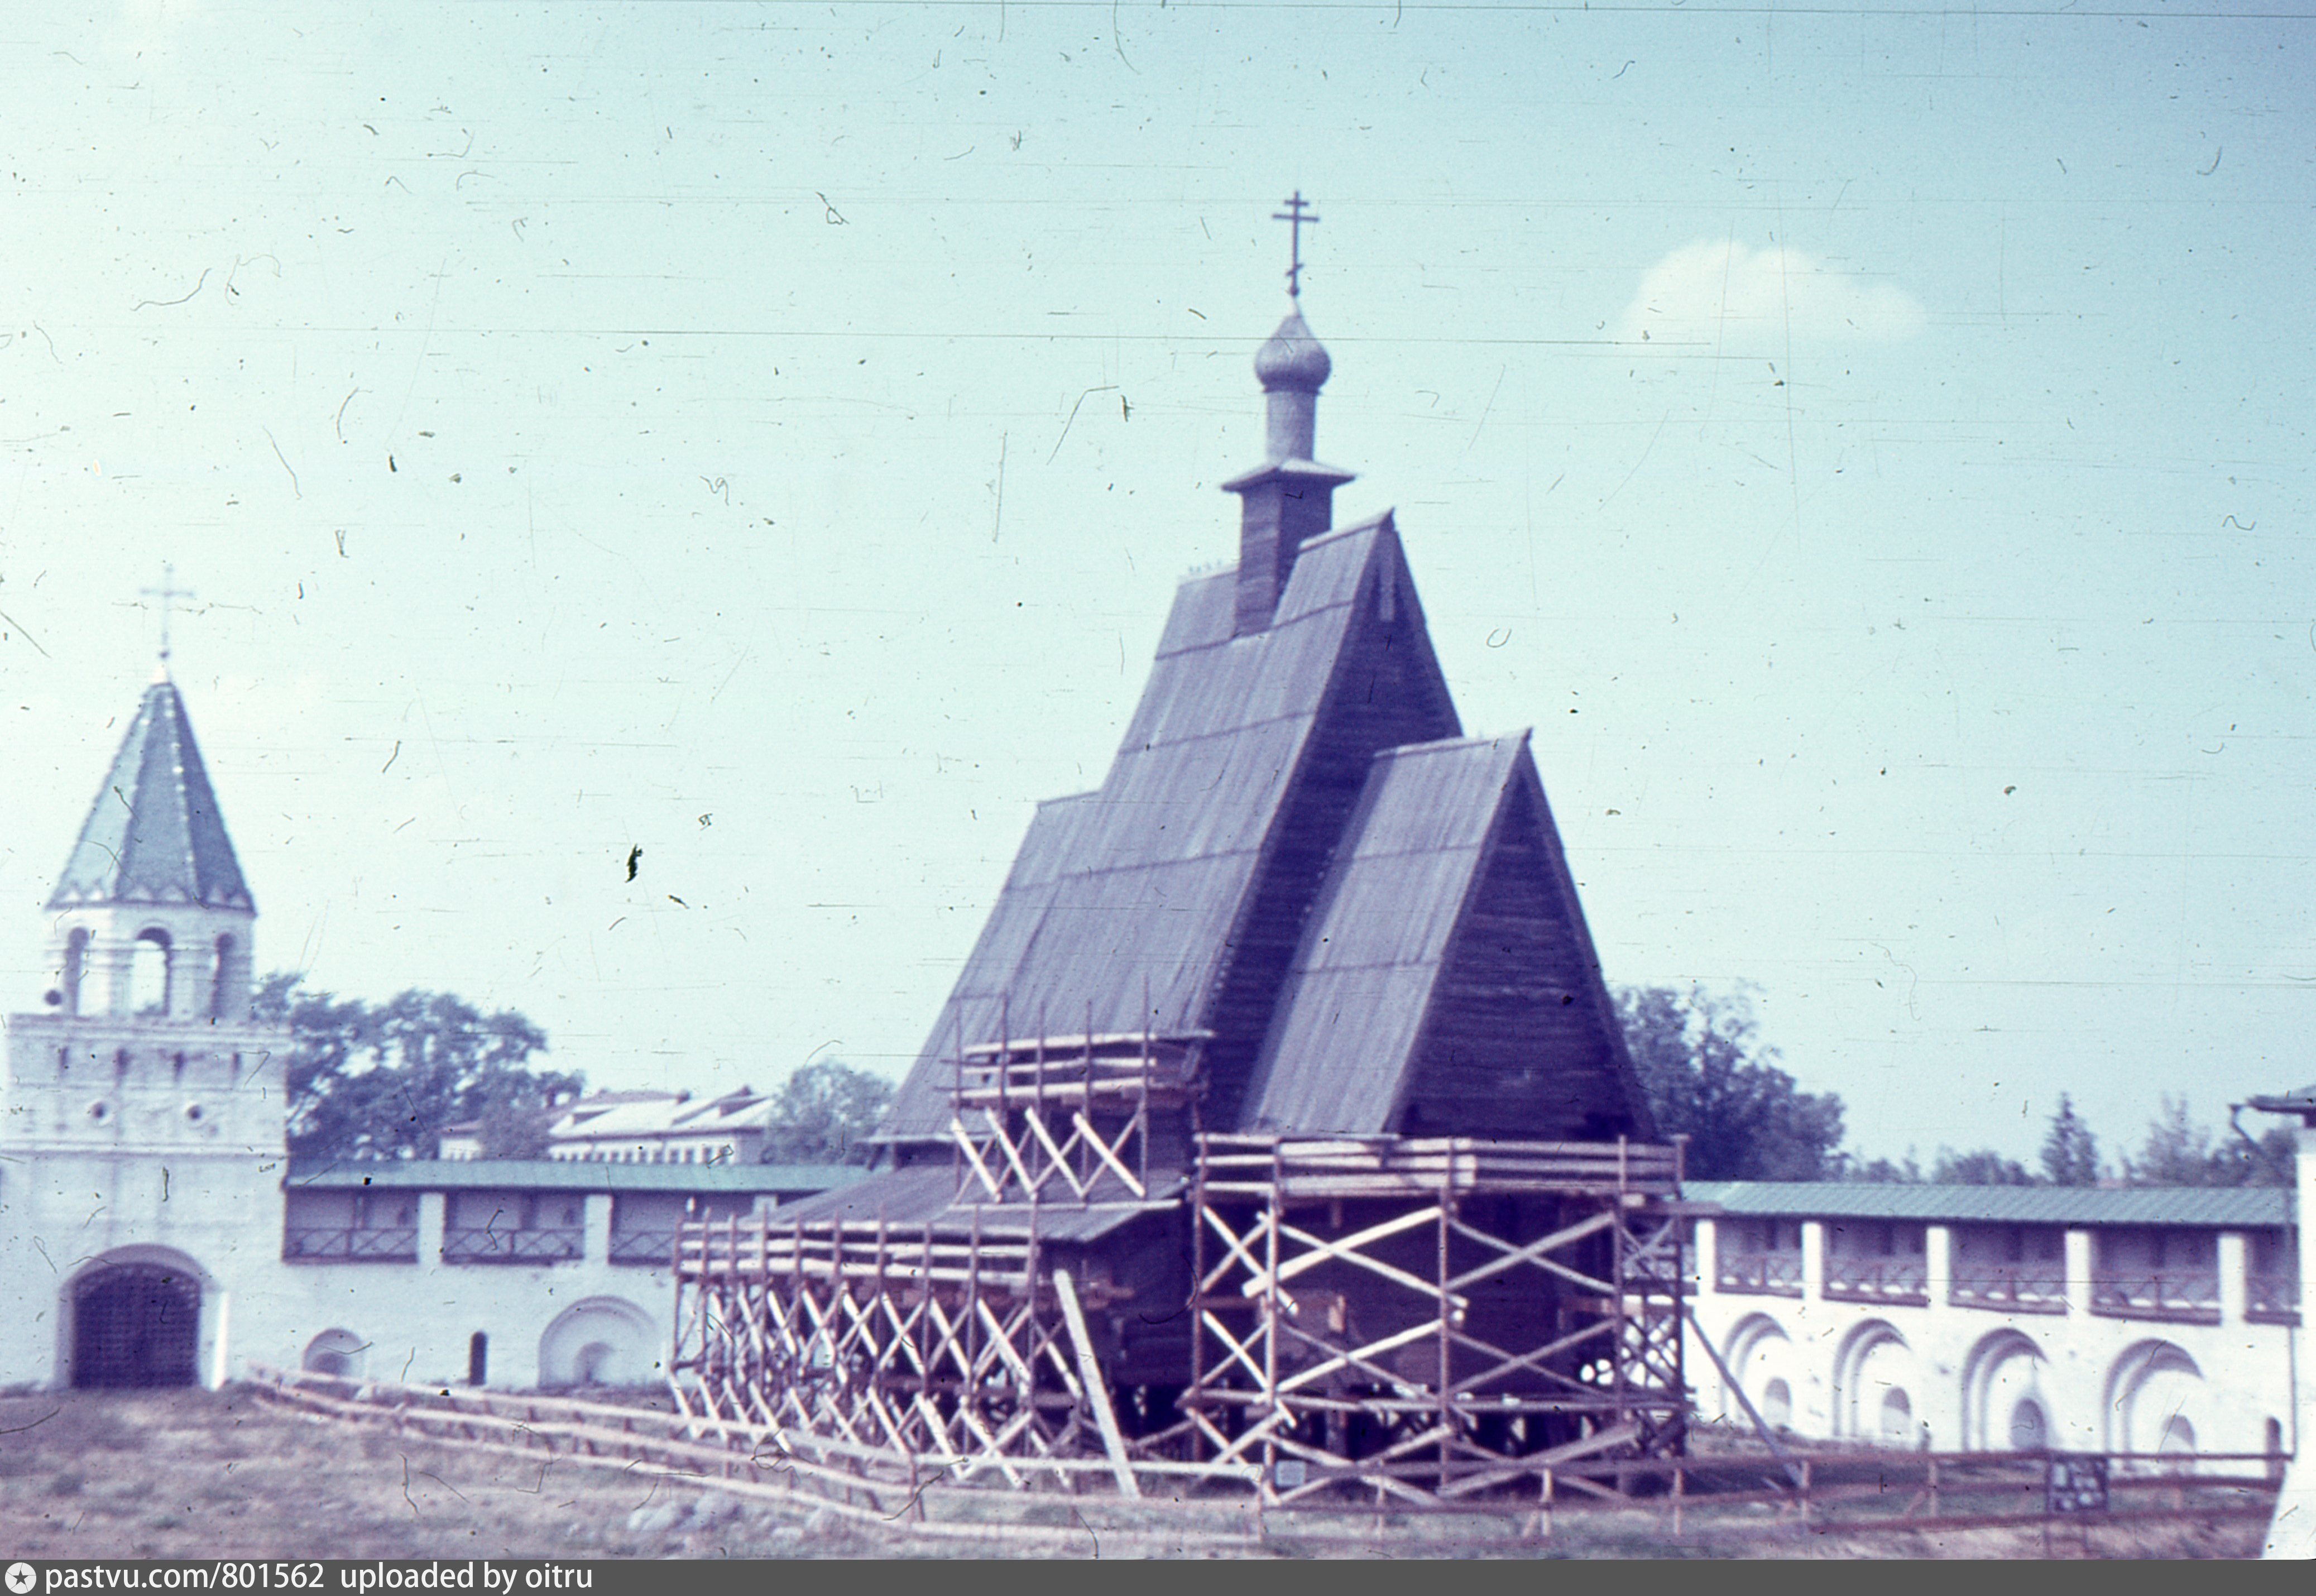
1356, 922
1447, 965
1149, 883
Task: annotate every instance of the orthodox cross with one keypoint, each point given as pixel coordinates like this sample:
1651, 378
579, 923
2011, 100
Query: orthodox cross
167, 593
1295, 217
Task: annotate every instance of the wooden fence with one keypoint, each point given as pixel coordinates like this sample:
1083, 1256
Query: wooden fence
1703, 1500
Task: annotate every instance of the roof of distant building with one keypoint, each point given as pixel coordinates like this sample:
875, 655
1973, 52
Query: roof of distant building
612, 1116
2218, 1207
2302, 1103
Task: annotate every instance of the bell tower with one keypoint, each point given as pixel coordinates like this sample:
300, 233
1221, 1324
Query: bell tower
144, 1046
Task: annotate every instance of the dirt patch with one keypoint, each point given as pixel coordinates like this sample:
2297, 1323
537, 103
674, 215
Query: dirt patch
198, 1473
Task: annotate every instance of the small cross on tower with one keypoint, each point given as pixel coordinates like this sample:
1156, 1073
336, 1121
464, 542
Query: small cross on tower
1294, 217
167, 593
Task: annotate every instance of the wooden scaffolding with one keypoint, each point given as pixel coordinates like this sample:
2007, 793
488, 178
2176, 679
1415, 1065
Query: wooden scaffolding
1421, 1319
1433, 1318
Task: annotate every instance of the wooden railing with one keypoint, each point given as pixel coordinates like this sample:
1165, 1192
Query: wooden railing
493, 1244
1059, 1078
1878, 1279
387, 1244
761, 1247
2272, 1299
2190, 1295
1762, 1274
654, 1246
1395, 1166
2011, 1288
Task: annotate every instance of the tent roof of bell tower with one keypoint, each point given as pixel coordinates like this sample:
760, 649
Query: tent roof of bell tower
154, 835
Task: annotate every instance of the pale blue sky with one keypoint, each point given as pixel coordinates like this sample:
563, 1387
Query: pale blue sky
584, 428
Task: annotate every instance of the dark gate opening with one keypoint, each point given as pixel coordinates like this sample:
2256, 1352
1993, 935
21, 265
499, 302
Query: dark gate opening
136, 1326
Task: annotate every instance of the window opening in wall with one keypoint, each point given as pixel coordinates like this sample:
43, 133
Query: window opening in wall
1777, 1405
149, 973
478, 1358
75, 967
2010, 1268
1760, 1255
337, 1353
2029, 1431
221, 983
2156, 1274
1897, 1416
1875, 1262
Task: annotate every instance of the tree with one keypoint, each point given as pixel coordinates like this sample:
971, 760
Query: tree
1707, 1075
2268, 1161
1986, 1167
383, 1082
824, 1112
1880, 1171
2070, 1151
2179, 1152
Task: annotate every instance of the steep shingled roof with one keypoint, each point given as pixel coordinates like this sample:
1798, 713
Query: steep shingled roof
1447, 967
154, 836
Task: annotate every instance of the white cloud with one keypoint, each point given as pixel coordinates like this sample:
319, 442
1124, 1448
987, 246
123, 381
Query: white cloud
1731, 296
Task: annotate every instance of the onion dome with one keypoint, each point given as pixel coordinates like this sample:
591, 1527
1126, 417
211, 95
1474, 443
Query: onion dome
1292, 359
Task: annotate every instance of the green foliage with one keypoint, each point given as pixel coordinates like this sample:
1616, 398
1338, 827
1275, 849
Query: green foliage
2070, 1150
384, 1081
824, 1112
1881, 1171
1708, 1076
2180, 1151
1986, 1167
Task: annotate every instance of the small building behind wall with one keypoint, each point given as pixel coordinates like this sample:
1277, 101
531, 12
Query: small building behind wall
1994, 1317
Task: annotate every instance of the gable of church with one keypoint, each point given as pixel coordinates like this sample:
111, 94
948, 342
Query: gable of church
1182, 882
1445, 984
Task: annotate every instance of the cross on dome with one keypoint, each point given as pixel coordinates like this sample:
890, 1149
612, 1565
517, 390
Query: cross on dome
167, 593
1294, 217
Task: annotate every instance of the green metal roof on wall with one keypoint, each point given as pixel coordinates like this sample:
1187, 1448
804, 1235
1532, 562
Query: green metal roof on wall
541, 1175
2217, 1207
154, 836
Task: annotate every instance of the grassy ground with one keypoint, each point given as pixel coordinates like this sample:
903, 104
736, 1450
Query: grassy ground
194, 1473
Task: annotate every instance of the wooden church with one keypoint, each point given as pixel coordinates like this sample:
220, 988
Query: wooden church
1280, 1126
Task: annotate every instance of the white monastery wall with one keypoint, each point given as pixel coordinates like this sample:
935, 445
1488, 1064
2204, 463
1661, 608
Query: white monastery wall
1951, 1375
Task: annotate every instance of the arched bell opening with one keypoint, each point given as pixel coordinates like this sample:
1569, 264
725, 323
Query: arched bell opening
150, 973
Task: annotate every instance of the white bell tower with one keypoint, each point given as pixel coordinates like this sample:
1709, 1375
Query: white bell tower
143, 1142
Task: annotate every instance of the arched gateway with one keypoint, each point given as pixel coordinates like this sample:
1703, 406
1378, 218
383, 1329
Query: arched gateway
135, 1324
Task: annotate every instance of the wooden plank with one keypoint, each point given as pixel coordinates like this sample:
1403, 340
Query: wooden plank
1097, 1389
